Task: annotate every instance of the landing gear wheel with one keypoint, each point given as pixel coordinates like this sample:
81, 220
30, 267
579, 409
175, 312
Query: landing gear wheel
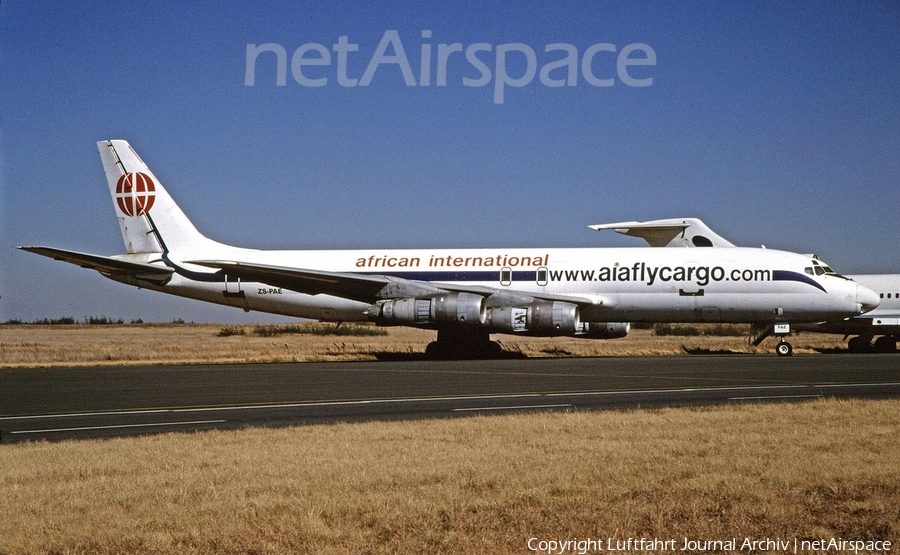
435, 351
859, 344
885, 344
493, 350
456, 349
784, 349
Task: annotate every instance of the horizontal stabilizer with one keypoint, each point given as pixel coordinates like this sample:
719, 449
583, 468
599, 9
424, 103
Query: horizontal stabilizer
105, 264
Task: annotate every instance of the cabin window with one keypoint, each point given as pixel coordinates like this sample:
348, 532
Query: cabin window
541, 276
505, 276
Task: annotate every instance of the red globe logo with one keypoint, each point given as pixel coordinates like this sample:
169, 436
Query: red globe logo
135, 193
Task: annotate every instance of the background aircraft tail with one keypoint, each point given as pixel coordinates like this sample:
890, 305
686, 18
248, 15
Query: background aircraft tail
149, 218
677, 232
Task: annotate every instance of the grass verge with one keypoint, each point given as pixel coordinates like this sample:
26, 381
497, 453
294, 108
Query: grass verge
78, 344
476, 485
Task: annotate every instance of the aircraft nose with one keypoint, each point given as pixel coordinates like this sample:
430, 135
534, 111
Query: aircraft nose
866, 298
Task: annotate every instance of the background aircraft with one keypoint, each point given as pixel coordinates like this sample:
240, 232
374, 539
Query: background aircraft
465, 294
883, 323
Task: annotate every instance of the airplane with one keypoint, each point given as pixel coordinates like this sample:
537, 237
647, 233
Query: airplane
464, 294
881, 324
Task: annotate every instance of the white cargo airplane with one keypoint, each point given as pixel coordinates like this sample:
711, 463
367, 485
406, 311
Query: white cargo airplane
883, 322
465, 294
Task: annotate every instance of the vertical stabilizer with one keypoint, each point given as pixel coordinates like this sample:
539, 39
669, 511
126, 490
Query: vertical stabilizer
149, 218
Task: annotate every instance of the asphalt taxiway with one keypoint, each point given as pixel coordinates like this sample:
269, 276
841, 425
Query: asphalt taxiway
75, 402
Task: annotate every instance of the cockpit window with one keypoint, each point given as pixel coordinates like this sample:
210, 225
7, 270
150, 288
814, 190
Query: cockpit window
809, 270
822, 269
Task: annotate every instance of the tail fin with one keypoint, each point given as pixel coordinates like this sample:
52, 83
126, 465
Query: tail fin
149, 218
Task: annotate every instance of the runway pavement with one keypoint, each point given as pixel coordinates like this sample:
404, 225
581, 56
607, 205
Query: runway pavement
79, 402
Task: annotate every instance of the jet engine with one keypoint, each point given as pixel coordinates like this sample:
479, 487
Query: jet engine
544, 318
458, 308
604, 330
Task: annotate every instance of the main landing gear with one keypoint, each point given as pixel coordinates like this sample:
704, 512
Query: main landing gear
783, 348
462, 345
863, 344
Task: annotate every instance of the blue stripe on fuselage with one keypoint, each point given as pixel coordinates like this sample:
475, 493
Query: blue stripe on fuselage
787, 275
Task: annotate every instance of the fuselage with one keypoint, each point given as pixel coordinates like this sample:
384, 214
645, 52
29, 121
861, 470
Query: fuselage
624, 284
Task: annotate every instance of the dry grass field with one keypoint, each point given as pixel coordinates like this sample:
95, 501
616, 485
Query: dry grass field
43, 345
825, 469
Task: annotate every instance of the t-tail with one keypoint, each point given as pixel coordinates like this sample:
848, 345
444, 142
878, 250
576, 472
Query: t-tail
150, 220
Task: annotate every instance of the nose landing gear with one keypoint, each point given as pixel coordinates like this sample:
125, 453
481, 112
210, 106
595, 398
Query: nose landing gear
783, 349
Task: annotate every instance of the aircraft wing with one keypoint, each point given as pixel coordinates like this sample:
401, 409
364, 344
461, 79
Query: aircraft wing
357, 287
371, 288
106, 264
677, 232
582, 301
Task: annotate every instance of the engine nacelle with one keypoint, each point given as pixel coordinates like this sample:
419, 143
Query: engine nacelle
604, 330
458, 308
544, 318
555, 318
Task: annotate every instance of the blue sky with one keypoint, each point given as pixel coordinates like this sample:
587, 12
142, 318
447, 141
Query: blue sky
777, 123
